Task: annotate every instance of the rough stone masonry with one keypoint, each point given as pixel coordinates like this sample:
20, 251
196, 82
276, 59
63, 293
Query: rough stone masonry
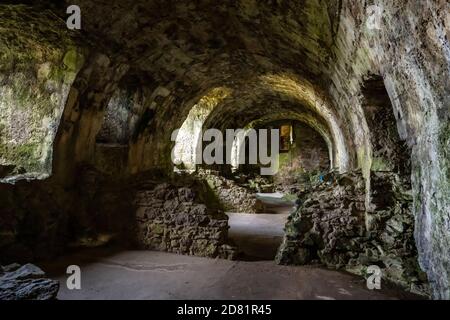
378, 96
332, 226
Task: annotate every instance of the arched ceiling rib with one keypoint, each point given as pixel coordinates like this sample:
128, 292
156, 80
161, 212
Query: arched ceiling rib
274, 50
277, 94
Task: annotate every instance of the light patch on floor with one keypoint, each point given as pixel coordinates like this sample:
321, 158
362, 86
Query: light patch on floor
258, 236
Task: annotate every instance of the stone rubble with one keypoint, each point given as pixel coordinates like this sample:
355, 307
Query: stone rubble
331, 226
27, 282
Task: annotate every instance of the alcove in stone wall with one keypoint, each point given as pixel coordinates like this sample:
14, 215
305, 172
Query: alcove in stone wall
389, 152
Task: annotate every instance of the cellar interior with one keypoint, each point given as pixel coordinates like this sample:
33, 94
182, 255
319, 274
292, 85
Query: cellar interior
104, 132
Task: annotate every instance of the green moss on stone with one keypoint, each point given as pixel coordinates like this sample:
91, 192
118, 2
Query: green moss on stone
156, 229
380, 164
71, 59
39, 58
211, 250
24, 156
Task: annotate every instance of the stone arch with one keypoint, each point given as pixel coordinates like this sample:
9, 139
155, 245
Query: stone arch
299, 95
242, 103
83, 115
293, 119
308, 120
186, 150
388, 151
314, 55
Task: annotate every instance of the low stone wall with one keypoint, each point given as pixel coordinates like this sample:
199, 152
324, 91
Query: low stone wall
331, 226
40, 220
233, 197
153, 211
174, 218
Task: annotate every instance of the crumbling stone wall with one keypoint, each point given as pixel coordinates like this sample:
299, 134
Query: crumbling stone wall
233, 197
177, 218
329, 227
41, 220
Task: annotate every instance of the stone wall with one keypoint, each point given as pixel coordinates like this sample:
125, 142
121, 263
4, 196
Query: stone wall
177, 218
389, 152
111, 159
41, 220
122, 114
308, 154
233, 197
311, 148
39, 60
330, 227
410, 49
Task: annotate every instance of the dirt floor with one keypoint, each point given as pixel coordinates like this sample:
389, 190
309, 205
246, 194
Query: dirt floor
258, 236
119, 274
157, 275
